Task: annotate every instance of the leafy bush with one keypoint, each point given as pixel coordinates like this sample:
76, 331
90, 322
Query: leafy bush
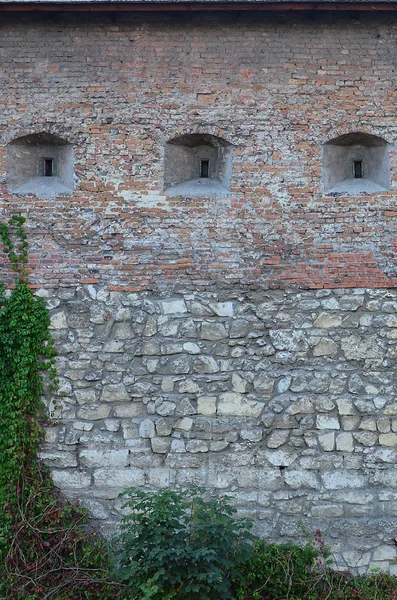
277, 571
172, 545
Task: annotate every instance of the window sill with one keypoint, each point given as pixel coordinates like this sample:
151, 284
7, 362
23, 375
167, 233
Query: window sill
198, 187
43, 187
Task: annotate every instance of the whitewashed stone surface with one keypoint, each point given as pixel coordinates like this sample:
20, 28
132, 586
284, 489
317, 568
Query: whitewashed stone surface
285, 400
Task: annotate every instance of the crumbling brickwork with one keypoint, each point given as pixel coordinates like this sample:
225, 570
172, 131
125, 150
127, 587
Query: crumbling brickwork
213, 340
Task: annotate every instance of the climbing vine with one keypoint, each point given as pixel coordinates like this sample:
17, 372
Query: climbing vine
26, 350
46, 549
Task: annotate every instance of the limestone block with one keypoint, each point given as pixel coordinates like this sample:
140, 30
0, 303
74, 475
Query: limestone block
97, 509
161, 445
339, 480
325, 347
114, 346
302, 406
197, 446
159, 477
206, 405
239, 384
388, 439
366, 438
70, 479
191, 348
129, 429
104, 458
327, 441
112, 424
359, 348
355, 559
58, 320
301, 479
165, 407
147, 429
150, 327
283, 384
180, 365
352, 303
383, 425
171, 348
344, 442
323, 404
288, 340
205, 364
327, 510
93, 412
263, 384
185, 424
129, 411
115, 393
345, 406
237, 405
85, 396
356, 384
122, 331
384, 552
222, 309
58, 458
281, 458
213, 331
82, 425
368, 424
173, 307
277, 438
327, 422
350, 423
239, 328
218, 446
167, 327
251, 435
185, 407
167, 384
178, 446
326, 320
163, 427
122, 478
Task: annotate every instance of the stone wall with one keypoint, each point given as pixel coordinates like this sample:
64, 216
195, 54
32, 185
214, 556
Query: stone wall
286, 400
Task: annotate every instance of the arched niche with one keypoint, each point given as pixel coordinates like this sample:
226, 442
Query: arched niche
40, 164
197, 164
356, 162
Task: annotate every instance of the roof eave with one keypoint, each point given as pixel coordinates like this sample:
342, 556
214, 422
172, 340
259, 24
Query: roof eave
145, 5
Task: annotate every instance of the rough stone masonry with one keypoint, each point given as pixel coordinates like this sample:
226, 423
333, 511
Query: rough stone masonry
247, 342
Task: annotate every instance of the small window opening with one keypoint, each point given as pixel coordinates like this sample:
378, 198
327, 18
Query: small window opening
358, 169
48, 167
204, 168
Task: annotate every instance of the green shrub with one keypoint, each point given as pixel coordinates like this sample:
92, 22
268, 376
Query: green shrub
176, 545
277, 571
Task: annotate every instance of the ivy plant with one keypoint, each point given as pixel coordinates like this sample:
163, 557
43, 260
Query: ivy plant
46, 549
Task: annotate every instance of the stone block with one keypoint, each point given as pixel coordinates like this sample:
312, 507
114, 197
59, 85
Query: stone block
121, 478
237, 405
115, 393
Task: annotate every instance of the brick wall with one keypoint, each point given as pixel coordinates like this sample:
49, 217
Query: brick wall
276, 86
